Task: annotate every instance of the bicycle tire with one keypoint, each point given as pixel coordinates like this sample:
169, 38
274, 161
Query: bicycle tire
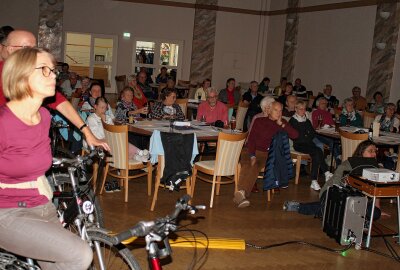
115, 256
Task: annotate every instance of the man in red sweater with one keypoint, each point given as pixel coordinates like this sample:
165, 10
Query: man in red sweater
19, 39
258, 143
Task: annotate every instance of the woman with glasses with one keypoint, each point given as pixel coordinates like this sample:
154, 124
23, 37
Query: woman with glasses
388, 120
167, 107
29, 225
139, 98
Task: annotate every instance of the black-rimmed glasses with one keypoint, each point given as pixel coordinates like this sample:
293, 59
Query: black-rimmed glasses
47, 71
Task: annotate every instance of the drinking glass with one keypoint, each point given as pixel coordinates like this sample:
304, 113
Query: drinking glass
233, 124
320, 120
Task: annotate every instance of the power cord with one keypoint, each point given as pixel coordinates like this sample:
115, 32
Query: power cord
301, 243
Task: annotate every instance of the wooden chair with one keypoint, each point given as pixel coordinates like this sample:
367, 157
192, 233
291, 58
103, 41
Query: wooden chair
350, 141
183, 103
297, 157
117, 139
157, 185
226, 163
368, 118
121, 82
241, 115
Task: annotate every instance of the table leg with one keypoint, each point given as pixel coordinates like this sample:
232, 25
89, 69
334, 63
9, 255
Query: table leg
370, 221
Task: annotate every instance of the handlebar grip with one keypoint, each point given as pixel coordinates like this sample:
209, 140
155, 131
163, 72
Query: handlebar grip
141, 229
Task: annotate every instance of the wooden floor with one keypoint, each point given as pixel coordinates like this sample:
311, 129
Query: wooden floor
262, 223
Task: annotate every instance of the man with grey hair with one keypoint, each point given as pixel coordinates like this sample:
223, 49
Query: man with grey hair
19, 39
212, 110
71, 85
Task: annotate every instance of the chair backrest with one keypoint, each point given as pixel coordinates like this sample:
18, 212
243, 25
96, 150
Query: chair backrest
241, 114
229, 147
183, 103
183, 83
75, 102
368, 118
121, 82
350, 141
117, 139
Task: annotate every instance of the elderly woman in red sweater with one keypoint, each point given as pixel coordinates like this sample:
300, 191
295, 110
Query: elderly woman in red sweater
258, 143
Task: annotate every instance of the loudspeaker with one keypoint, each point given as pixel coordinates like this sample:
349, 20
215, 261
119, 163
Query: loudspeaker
344, 214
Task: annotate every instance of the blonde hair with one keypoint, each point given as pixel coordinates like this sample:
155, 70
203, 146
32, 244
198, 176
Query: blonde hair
17, 70
300, 103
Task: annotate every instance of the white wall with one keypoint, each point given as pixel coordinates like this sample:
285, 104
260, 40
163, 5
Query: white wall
20, 14
235, 48
335, 47
274, 54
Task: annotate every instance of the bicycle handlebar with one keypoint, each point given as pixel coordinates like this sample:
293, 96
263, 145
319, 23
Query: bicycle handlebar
79, 160
158, 226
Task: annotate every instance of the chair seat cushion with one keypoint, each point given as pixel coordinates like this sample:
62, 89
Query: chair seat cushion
206, 164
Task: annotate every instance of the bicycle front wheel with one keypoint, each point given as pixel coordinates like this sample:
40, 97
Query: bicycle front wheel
109, 256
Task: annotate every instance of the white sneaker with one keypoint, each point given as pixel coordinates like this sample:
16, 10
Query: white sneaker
328, 175
314, 185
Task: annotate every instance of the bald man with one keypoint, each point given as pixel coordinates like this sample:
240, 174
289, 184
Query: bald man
19, 39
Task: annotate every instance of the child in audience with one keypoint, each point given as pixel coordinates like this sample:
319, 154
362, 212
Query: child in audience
94, 122
126, 107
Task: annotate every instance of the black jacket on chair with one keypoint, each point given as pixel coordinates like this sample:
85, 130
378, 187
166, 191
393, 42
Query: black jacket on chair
178, 150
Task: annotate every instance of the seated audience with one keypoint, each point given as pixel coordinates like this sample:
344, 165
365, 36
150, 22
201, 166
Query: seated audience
71, 85
327, 121
265, 105
289, 109
365, 149
212, 110
388, 120
84, 93
145, 87
139, 98
263, 87
64, 74
304, 143
202, 91
95, 92
258, 143
125, 107
94, 122
321, 112
360, 103
299, 90
167, 107
163, 76
252, 99
378, 106
281, 87
288, 91
349, 117
229, 95
327, 93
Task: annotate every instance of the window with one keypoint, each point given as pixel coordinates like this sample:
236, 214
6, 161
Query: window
92, 55
154, 54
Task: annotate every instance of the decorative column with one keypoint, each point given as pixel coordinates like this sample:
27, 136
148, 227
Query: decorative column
203, 42
383, 50
50, 34
289, 45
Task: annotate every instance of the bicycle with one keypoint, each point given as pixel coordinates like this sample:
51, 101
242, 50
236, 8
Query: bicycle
111, 253
78, 209
79, 205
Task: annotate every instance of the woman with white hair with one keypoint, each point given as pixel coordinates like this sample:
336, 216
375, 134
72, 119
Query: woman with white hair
388, 120
349, 116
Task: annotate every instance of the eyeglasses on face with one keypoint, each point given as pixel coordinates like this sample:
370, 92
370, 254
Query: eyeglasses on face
46, 71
